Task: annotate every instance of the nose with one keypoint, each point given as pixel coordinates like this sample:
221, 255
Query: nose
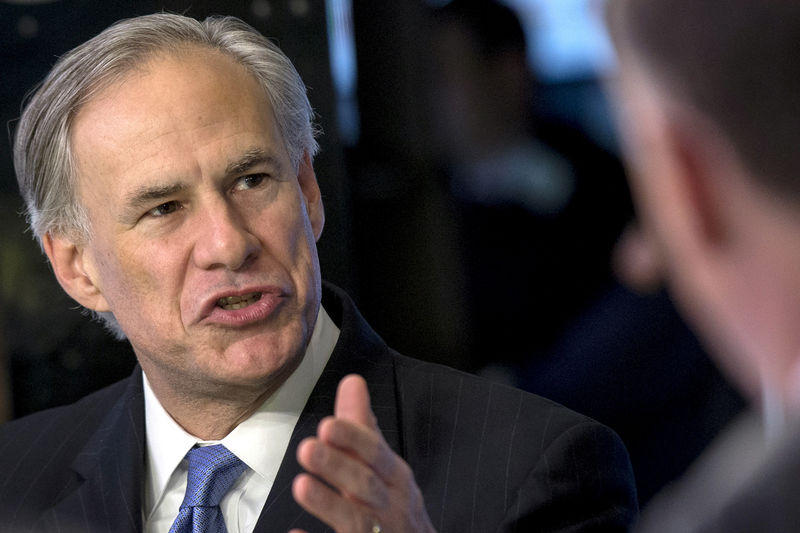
223, 239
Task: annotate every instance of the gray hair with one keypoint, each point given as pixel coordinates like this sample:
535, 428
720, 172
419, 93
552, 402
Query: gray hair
43, 158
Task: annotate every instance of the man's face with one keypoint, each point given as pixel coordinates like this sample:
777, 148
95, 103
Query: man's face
204, 235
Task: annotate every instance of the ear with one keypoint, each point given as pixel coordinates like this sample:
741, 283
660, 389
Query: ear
313, 198
75, 271
697, 151
669, 148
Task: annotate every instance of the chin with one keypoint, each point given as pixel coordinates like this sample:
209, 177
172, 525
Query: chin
260, 358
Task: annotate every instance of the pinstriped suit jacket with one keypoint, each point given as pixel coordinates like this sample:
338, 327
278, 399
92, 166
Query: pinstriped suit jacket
487, 458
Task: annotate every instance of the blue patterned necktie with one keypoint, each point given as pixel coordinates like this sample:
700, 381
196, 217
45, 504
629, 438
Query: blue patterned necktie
212, 472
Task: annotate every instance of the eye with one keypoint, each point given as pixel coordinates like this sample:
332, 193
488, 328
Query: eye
164, 209
250, 181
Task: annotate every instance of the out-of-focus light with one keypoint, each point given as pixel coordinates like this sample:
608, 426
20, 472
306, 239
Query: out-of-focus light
342, 47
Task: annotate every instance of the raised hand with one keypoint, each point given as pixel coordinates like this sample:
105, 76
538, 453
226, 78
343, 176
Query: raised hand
370, 488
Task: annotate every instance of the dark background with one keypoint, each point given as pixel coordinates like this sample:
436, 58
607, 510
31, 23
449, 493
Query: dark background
526, 300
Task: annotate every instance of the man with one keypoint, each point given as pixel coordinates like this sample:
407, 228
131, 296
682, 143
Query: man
709, 95
167, 167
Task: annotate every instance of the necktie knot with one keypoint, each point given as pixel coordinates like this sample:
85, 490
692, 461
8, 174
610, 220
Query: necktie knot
212, 472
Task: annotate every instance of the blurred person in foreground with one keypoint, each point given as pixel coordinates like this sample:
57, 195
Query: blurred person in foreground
167, 170
708, 97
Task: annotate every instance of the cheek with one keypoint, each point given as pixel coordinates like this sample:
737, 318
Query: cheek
291, 233
141, 285
302, 260
307, 243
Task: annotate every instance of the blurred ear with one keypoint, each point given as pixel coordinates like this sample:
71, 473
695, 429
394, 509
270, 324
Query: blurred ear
698, 154
670, 150
75, 271
313, 198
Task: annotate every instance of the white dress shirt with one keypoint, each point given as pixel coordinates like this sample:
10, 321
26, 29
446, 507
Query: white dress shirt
260, 442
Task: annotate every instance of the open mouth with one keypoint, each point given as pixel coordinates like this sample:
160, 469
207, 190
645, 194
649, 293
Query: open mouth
231, 303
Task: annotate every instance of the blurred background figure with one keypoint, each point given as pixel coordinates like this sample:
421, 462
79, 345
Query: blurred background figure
539, 204
708, 96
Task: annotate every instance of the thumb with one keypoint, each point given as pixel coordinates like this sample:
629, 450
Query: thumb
352, 402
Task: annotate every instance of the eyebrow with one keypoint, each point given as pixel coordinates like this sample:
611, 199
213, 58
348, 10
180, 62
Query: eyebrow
144, 196
250, 159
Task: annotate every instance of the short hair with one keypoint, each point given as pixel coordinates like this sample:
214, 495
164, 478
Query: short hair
43, 158
737, 62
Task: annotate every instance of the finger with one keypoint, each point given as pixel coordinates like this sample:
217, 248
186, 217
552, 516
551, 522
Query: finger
332, 508
365, 445
352, 402
343, 472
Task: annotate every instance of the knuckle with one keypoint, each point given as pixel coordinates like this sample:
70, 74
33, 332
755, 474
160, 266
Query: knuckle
358, 520
326, 460
319, 455
405, 470
384, 459
373, 486
402, 472
370, 490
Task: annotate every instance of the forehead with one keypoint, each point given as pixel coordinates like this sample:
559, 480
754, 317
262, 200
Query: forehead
169, 112
171, 85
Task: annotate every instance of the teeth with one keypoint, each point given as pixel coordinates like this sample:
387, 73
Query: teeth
230, 303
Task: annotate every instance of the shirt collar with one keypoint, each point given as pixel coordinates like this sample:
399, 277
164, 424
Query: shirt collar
261, 440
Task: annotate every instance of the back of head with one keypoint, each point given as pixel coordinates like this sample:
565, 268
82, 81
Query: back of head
483, 89
42, 156
735, 61
494, 27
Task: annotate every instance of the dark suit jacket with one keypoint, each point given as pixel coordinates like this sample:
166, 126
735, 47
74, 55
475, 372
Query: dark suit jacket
743, 483
486, 457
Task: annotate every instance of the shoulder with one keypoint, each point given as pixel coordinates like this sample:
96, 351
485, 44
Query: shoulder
533, 463
38, 452
449, 390
741, 483
58, 428
527, 428
771, 500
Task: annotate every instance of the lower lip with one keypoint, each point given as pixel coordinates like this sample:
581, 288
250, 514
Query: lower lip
264, 308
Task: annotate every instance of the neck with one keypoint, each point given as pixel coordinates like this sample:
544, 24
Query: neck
211, 412
212, 419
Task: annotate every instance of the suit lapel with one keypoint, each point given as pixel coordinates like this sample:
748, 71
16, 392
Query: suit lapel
107, 494
359, 350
